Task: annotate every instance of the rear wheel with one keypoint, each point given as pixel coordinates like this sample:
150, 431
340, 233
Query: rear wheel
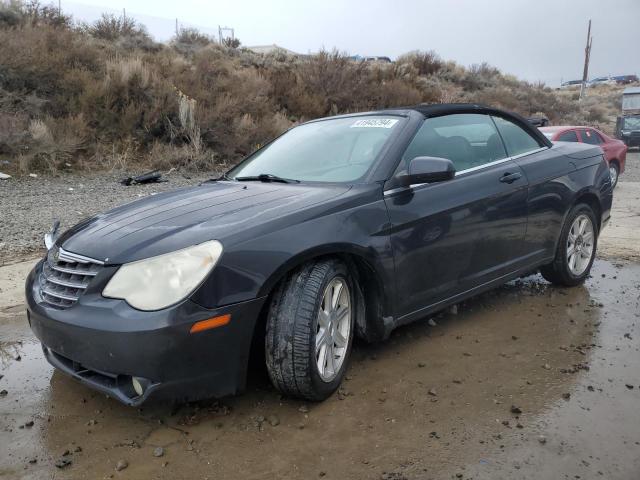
614, 172
310, 330
576, 248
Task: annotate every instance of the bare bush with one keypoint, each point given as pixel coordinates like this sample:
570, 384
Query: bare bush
105, 95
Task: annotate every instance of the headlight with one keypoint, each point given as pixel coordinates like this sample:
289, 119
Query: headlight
157, 282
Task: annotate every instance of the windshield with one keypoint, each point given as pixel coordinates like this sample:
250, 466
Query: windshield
333, 150
631, 123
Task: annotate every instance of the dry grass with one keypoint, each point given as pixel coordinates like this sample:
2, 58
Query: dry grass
107, 96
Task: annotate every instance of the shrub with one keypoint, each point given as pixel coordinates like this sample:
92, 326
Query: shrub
107, 95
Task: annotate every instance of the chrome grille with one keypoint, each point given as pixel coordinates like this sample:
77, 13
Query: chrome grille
65, 276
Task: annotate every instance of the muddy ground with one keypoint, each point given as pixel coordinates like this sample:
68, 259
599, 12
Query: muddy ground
433, 402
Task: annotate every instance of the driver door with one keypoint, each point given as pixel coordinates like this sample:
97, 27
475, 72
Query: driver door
453, 236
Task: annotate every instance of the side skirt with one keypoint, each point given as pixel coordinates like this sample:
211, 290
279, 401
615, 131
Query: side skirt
435, 307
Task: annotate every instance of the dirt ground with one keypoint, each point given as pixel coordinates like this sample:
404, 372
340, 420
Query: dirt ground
528, 381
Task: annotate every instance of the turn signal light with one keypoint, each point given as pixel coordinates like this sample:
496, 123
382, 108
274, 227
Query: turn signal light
210, 323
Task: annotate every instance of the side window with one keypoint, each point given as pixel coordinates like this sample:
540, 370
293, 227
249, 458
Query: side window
569, 136
516, 139
468, 140
591, 136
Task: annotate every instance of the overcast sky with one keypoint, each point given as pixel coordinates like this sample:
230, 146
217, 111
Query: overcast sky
535, 40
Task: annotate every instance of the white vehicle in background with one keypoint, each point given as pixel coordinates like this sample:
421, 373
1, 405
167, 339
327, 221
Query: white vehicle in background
602, 81
570, 84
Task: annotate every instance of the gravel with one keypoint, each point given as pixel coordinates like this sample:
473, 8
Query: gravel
28, 206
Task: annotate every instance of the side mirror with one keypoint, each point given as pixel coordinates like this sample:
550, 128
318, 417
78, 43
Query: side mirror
428, 170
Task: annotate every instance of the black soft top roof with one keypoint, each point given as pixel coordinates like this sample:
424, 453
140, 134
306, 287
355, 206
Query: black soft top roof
439, 109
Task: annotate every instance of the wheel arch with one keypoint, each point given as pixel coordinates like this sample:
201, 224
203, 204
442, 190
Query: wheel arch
372, 297
593, 201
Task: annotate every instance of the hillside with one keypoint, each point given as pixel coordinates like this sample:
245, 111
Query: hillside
107, 96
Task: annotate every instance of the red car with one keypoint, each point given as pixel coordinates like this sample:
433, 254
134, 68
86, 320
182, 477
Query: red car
615, 151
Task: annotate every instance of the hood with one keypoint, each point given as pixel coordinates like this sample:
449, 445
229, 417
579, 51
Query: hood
226, 211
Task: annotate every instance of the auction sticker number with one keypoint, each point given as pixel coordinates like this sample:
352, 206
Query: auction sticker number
375, 123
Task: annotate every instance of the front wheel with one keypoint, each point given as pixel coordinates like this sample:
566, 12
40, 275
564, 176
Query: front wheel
310, 329
576, 248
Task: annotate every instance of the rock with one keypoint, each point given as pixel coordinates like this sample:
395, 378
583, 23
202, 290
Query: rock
546, 366
158, 452
432, 322
422, 364
629, 386
3, 393
566, 396
590, 388
4, 176
78, 449
274, 421
513, 337
516, 410
542, 439
121, 465
433, 392
33, 460
63, 462
29, 424
33, 175
303, 409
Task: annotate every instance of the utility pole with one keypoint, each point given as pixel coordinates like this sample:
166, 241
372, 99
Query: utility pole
587, 55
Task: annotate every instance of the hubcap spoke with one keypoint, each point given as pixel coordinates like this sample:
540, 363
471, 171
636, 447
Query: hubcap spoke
337, 290
321, 338
339, 339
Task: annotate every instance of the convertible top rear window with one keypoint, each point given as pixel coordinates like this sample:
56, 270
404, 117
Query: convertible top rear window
333, 150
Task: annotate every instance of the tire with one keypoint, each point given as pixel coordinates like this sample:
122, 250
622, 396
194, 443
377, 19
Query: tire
560, 271
294, 324
614, 171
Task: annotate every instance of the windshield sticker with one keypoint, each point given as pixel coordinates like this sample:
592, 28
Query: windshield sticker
375, 123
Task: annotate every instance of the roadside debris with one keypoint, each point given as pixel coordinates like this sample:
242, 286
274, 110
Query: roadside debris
121, 465
4, 176
153, 176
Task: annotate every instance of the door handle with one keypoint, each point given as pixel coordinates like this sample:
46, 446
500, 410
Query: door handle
510, 177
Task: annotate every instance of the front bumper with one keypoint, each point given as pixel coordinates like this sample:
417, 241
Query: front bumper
104, 342
631, 140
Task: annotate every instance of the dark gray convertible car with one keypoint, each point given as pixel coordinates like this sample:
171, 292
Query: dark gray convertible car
342, 227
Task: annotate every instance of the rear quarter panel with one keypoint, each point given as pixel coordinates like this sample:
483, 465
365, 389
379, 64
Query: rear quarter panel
558, 177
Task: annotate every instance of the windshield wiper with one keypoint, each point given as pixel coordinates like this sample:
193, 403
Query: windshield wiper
266, 177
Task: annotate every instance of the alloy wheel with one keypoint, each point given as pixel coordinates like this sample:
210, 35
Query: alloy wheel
613, 172
580, 245
334, 328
